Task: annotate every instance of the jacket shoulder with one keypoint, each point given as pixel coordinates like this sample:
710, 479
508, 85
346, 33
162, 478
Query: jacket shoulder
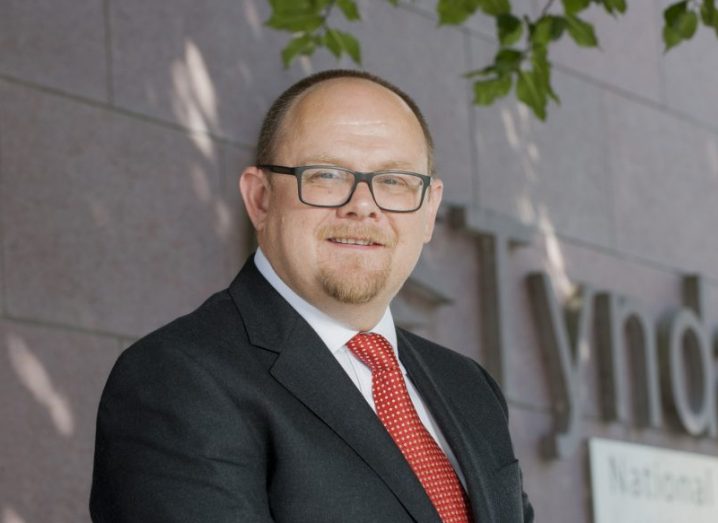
205, 342
215, 321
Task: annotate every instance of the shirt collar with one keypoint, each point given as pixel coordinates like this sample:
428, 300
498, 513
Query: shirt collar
333, 333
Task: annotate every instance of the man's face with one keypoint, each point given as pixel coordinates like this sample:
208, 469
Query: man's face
322, 253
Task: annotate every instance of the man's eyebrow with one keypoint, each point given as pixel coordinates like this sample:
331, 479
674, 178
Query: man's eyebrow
321, 160
331, 160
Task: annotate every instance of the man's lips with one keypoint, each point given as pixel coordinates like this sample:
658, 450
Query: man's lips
360, 242
357, 237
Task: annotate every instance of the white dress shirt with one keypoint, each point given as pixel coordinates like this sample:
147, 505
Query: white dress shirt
336, 335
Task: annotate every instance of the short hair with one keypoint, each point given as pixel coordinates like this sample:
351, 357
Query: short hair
267, 142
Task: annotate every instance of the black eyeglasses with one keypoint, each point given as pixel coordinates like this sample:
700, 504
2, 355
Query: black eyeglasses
329, 186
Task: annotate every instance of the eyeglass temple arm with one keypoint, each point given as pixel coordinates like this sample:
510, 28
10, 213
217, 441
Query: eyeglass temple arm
278, 169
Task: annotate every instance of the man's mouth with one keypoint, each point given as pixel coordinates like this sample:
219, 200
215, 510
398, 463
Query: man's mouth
355, 241
358, 237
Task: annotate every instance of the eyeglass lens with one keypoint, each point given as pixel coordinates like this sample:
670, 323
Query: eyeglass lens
332, 186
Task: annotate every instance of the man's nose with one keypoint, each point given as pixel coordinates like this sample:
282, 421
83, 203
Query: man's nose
361, 204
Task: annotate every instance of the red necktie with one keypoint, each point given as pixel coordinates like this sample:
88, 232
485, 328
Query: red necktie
399, 417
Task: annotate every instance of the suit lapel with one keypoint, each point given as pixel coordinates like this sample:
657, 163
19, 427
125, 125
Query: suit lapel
307, 369
470, 447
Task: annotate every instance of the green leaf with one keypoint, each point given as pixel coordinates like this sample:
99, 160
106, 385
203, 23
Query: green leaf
548, 28
507, 61
454, 12
295, 22
614, 6
680, 24
333, 42
339, 42
290, 6
575, 6
542, 70
709, 13
295, 8
494, 7
352, 47
673, 12
688, 25
532, 93
681, 19
541, 31
487, 91
350, 10
582, 32
509, 29
393, 2
670, 37
303, 44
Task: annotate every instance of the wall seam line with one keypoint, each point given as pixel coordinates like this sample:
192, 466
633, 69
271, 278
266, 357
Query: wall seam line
108, 52
3, 232
98, 104
475, 176
66, 327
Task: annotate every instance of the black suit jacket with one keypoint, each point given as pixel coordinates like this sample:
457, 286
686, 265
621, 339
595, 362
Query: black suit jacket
237, 412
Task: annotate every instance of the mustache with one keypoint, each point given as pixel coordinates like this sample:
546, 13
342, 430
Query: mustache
359, 232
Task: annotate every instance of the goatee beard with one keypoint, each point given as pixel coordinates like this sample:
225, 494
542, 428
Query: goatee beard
352, 282
355, 289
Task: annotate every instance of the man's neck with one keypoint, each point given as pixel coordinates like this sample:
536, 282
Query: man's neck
359, 317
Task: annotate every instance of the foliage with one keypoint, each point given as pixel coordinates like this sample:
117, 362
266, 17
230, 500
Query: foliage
522, 58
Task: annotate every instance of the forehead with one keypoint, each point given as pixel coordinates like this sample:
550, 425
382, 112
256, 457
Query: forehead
349, 94
351, 111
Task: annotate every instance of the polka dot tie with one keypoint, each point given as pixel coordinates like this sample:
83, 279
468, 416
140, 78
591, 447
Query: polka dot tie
399, 417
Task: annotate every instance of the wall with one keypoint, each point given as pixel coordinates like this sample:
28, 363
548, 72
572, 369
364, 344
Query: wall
124, 124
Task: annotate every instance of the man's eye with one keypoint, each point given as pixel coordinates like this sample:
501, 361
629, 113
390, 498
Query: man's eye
393, 180
323, 175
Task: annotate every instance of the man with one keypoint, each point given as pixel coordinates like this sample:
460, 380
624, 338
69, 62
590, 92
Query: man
282, 398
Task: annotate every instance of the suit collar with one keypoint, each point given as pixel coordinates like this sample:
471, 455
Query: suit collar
268, 318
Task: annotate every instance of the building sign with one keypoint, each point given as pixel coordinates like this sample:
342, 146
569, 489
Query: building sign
635, 483
649, 366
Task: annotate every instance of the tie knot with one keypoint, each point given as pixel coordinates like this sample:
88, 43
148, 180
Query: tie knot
374, 350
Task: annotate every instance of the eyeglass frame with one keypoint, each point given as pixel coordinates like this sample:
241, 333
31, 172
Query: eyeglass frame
359, 177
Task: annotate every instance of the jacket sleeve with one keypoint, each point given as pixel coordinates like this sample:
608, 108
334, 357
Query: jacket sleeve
173, 446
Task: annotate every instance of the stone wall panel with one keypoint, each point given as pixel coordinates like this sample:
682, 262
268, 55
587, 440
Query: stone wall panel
665, 172
56, 43
113, 221
552, 175
50, 385
630, 53
211, 66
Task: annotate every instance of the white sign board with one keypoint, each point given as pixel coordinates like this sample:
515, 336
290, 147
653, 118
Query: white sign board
637, 484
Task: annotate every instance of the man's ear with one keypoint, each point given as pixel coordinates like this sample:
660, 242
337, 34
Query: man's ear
255, 189
433, 201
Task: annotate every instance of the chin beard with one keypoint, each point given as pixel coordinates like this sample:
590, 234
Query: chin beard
356, 289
